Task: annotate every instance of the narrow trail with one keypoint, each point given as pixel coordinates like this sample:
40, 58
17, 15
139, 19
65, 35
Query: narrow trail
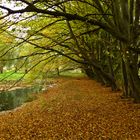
75, 109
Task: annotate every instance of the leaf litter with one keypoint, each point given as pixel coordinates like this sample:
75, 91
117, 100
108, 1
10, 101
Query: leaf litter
75, 109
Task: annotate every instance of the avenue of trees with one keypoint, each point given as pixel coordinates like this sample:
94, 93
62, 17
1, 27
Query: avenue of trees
102, 37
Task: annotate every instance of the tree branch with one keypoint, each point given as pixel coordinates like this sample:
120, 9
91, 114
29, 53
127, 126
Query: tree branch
68, 16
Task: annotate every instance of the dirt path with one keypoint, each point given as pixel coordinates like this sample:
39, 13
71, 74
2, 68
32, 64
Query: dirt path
75, 109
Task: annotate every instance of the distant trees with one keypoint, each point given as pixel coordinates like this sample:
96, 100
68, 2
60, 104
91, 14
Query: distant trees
102, 36
5, 55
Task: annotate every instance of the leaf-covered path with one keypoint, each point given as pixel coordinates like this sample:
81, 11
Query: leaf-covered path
75, 109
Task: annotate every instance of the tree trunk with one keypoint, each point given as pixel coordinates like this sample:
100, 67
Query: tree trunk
133, 79
58, 72
130, 73
113, 85
125, 80
1, 69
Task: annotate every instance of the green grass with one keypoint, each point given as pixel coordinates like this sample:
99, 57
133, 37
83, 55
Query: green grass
10, 76
72, 74
69, 73
13, 76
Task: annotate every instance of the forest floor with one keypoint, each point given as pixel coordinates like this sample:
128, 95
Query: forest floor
74, 109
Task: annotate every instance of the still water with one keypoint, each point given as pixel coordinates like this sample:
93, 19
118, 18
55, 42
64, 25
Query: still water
14, 98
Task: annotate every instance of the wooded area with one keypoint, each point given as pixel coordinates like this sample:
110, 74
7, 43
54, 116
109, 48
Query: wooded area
83, 56
101, 37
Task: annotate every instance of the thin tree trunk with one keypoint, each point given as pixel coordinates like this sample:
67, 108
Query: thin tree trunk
113, 85
125, 80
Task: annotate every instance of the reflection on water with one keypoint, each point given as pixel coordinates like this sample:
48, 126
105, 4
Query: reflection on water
14, 98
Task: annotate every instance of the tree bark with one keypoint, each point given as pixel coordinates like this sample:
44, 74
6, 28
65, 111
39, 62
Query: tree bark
130, 74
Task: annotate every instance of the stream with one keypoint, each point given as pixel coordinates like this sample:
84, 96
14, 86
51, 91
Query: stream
16, 97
